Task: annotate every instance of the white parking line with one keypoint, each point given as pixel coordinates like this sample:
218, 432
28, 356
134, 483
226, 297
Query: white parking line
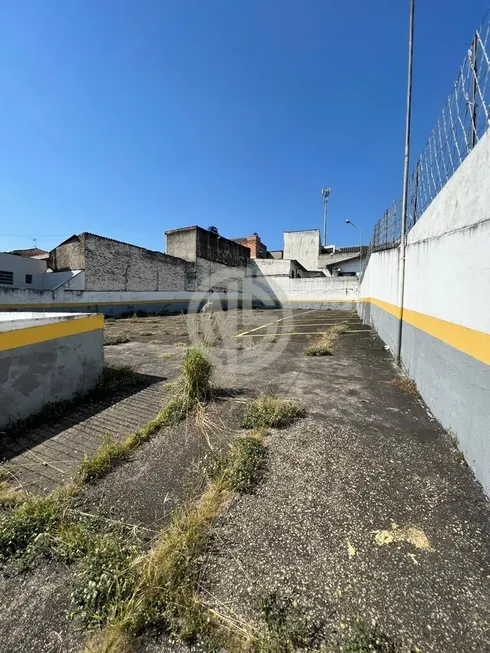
288, 317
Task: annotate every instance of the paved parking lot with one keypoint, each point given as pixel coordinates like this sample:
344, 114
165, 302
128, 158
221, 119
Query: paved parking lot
41, 458
366, 511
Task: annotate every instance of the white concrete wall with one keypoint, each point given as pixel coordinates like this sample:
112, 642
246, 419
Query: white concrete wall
303, 246
270, 267
47, 360
69, 279
20, 266
446, 328
316, 292
381, 277
352, 265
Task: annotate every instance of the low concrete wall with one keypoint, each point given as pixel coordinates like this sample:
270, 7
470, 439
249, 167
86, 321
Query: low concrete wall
47, 360
446, 315
316, 292
237, 286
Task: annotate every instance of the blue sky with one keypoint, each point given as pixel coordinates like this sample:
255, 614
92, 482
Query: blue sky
128, 118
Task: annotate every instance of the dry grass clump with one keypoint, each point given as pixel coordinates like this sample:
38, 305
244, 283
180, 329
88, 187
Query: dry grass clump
407, 385
116, 339
271, 412
164, 582
9, 496
192, 389
323, 345
196, 377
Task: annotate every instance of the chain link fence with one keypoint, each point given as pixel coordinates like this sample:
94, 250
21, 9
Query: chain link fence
464, 119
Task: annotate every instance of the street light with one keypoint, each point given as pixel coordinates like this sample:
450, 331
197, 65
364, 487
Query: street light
360, 242
325, 194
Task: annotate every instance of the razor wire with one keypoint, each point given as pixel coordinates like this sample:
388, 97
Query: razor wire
464, 119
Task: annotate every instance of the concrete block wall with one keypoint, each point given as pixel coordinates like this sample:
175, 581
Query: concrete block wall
446, 315
113, 266
69, 255
211, 275
46, 359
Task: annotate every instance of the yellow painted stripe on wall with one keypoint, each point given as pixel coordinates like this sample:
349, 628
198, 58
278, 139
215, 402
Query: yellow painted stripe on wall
470, 341
42, 333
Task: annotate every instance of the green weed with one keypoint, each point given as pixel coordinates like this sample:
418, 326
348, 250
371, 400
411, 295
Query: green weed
104, 578
367, 639
36, 516
110, 452
269, 411
165, 581
243, 468
196, 377
287, 629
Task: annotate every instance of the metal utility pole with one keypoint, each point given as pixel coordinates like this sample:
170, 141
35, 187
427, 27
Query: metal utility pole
325, 194
360, 242
401, 267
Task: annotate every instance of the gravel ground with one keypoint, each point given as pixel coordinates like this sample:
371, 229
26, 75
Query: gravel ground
367, 512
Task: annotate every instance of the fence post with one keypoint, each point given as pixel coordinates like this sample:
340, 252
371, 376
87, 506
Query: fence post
474, 90
415, 191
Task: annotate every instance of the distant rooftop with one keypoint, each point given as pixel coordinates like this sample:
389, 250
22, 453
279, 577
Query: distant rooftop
29, 253
173, 231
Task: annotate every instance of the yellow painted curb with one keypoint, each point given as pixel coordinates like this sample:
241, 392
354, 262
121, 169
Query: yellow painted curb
41, 333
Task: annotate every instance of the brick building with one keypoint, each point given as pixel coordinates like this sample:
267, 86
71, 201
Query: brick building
255, 245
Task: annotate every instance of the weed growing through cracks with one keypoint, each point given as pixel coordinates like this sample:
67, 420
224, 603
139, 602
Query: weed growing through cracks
34, 518
323, 346
287, 628
269, 411
365, 639
164, 582
191, 390
116, 339
407, 385
9, 496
